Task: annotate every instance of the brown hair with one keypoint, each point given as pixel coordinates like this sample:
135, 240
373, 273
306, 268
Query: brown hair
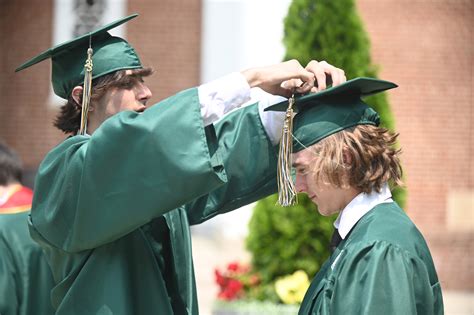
10, 165
362, 157
69, 118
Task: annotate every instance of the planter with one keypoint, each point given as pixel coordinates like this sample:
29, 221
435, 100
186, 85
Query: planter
253, 308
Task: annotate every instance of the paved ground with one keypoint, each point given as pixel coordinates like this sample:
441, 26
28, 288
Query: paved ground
211, 251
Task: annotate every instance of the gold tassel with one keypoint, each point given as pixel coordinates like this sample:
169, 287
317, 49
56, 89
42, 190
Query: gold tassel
286, 188
86, 93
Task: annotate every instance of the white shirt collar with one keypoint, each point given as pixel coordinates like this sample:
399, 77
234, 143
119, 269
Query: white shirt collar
359, 206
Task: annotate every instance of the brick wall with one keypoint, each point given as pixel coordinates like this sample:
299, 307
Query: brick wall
25, 117
427, 48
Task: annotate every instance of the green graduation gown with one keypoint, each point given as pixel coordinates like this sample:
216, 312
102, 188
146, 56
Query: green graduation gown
382, 267
25, 277
112, 211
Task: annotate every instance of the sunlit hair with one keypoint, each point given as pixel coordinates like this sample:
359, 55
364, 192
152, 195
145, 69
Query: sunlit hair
69, 118
362, 157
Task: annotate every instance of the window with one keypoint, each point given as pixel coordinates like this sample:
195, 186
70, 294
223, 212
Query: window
76, 17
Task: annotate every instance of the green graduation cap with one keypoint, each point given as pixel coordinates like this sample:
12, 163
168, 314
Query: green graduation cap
319, 115
322, 114
110, 54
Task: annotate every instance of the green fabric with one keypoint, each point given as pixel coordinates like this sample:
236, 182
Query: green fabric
382, 267
109, 54
116, 230
25, 276
322, 114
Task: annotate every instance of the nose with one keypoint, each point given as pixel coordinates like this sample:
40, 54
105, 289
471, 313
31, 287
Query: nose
144, 93
300, 183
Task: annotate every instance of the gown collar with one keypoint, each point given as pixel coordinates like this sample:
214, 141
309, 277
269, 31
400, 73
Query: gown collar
358, 207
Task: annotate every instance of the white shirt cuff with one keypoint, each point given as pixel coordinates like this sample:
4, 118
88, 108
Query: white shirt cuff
272, 121
220, 96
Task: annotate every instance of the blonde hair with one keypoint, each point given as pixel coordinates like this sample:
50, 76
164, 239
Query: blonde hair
362, 157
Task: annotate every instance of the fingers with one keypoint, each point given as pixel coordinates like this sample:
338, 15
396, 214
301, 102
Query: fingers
292, 84
324, 74
290, 76
300, 79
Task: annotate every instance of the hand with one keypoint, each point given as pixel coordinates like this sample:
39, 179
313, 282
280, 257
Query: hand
270, 78
324, 74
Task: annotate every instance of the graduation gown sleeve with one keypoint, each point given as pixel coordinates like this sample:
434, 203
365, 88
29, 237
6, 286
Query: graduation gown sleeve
91, 190
250, 161
379, 278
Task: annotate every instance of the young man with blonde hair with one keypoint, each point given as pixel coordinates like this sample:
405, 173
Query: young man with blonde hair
346, 163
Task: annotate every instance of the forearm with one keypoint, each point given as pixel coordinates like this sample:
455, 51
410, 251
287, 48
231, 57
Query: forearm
221, 96
249, 158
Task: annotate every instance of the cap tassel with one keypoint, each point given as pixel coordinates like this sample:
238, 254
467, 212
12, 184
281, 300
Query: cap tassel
286, 188
86, 93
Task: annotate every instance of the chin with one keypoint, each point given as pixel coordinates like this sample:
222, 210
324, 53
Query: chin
326, 212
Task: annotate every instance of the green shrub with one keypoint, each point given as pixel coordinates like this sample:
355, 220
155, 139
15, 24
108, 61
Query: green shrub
282, 240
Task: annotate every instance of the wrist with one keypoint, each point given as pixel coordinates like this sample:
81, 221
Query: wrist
252, 76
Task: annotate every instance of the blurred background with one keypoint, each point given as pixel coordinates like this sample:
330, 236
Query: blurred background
426, 47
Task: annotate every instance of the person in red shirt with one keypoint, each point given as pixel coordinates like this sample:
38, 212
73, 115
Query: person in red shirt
14, 197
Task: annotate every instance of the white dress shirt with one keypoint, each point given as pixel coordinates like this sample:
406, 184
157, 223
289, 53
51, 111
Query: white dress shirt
232, 91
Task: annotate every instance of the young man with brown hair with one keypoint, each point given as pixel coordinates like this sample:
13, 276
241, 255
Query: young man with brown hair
113, 204
345, 162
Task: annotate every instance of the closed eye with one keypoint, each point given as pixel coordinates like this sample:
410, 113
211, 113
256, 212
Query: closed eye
302, 170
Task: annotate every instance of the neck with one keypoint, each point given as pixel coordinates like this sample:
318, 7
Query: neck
349, 195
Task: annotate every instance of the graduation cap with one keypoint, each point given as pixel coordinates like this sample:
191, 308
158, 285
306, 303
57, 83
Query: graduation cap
319, 115
85, 58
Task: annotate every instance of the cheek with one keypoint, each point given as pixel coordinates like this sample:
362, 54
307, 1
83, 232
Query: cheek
312, 185
120, 100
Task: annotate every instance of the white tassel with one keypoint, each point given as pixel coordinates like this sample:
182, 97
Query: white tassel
287, 195
86, 93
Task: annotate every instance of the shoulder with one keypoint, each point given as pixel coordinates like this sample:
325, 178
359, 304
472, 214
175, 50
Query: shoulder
13, 221
386, 235
60, 161
68, 147
14, 229
388, 223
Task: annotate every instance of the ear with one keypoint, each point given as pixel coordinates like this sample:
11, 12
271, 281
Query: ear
77, 96
346, 156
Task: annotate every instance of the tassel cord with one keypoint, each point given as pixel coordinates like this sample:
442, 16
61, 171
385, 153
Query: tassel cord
287, 194
86, 93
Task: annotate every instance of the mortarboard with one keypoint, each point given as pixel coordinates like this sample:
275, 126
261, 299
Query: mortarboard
85, 58
319, 115
110, 54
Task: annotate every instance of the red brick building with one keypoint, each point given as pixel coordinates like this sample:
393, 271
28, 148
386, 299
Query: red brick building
424, 46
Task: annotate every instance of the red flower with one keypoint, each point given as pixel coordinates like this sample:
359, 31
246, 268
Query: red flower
233, 266
235, 281
220, 279
232, 290
234, 285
